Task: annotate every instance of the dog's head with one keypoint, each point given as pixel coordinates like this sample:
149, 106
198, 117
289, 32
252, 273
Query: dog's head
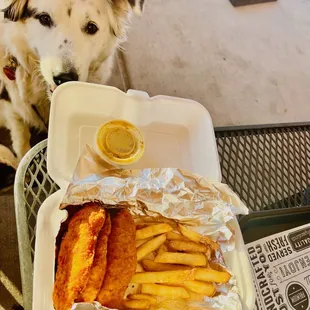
72, 37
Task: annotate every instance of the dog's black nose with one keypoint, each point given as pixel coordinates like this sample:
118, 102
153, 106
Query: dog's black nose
65, 77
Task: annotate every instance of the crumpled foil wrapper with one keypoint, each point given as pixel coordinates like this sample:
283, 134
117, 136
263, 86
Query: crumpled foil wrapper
168, 194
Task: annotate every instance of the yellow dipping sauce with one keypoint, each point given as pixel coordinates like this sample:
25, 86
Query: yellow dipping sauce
119, 142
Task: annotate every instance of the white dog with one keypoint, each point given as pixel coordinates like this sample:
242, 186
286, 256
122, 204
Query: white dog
44, 43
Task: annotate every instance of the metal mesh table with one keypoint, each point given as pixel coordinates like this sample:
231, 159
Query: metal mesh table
32, 186
267, 166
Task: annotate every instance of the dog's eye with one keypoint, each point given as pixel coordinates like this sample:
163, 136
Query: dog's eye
45, 20
91, 28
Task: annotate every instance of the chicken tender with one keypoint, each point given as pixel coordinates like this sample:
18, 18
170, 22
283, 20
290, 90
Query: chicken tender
76, 255
98, 269
122, 260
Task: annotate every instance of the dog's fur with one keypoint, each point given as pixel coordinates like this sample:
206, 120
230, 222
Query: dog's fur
48, 47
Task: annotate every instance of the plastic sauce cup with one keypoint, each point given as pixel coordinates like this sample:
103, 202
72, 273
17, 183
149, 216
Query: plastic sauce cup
119, 142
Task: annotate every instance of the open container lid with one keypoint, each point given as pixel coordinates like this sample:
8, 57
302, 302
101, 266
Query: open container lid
178, 132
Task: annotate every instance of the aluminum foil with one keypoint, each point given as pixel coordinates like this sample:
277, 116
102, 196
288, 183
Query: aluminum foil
171, 195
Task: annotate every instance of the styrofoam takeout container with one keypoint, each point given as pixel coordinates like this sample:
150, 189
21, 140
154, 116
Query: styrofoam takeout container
178, 133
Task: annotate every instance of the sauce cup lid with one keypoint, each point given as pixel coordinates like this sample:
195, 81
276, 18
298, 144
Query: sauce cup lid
119, 142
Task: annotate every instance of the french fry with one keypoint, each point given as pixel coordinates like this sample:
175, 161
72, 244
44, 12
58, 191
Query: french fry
150, 246
165, 291
150, 265
140, 226
136, 304
209, 275
153, 230
140, 242
217, 267
172, 277
171, 274
181, 259
150, 298
193, 236
208, 253
145, 224
150, 256
139, 268
162, 249
188, 246
133, 288
194, 296
171, 235
205, 289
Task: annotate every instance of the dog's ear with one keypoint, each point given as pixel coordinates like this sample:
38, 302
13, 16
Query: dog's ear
121, 13
136, 5
16, 10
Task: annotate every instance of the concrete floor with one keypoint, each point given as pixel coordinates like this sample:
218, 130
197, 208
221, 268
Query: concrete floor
249, 65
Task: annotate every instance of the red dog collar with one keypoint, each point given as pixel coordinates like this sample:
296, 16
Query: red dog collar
10, 70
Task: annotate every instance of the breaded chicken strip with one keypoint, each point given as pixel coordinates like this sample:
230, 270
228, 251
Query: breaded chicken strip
76, 255
122, 260
98, 269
